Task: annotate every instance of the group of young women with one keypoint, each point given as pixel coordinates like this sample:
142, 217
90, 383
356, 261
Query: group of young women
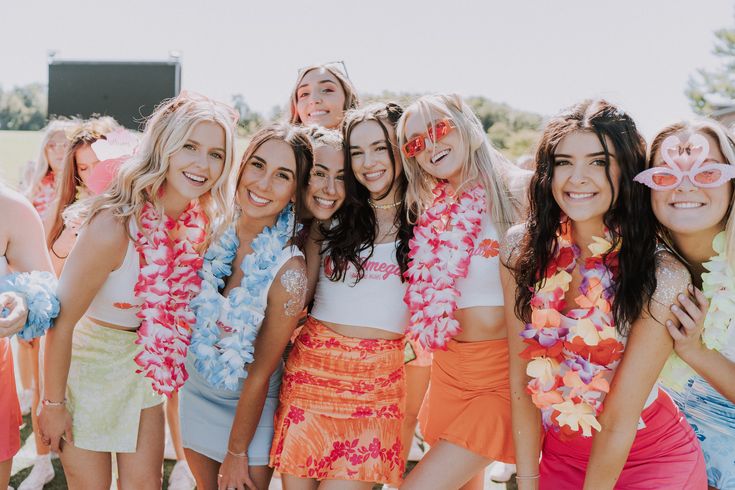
380, 265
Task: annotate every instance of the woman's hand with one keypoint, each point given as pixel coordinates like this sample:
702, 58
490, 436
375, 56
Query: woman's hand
691, 314
13, 313
234, 474
55, 424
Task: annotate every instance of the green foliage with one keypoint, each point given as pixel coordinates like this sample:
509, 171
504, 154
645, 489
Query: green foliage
711, 90
24, 107
250, 120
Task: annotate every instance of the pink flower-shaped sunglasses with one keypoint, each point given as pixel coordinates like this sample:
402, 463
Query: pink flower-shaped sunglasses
686, 164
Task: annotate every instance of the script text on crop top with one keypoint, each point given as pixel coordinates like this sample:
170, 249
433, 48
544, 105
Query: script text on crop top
376, 301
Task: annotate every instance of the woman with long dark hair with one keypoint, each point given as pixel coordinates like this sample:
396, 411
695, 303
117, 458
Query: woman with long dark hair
587, 295
343, 389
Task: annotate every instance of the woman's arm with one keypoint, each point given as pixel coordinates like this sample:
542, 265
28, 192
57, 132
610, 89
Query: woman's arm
285, 303
526, 417
100, 249
313, 259
710, 364
647, 349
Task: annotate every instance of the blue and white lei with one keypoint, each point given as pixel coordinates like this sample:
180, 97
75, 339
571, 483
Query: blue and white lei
221, 357
39, 290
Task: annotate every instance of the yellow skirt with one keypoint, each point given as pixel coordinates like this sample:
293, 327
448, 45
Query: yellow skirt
104, 393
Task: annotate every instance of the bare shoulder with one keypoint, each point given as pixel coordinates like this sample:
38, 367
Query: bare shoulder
672, 278
510, 245
289, 286
16, 208
106, 230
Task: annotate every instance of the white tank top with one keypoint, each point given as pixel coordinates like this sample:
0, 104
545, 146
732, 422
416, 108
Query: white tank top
482, 285
376, 301
115, 302
4, 268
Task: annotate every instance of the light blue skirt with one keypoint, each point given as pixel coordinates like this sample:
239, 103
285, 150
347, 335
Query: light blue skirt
207, 414
712, 417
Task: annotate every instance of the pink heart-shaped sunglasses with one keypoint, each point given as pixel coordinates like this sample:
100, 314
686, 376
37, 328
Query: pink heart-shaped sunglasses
670, 175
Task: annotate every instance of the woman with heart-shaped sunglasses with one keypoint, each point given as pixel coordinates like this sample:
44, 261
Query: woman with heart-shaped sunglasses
691, 166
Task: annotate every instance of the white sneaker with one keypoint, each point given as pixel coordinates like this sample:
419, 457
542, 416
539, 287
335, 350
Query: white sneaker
41, 474
181, 477
501, 472
25, 397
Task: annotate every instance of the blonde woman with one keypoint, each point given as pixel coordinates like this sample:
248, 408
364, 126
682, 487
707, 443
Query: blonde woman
121, 340
464, 192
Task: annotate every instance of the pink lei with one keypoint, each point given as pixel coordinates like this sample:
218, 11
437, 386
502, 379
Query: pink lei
440, 254
167, 282
44, 193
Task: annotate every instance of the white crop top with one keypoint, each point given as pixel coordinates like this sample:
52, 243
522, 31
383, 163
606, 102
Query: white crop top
376, 301
4, 268
482, 285
115, 302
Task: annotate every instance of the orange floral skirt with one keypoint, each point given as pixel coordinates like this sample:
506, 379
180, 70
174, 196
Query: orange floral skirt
468, 400
341, 408
10, 418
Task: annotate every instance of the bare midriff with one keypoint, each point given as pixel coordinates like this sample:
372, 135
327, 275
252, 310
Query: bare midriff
481, 323
360, 332
112, 325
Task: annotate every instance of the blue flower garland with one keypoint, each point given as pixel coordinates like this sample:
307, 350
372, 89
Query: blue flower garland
220, 357
39, 290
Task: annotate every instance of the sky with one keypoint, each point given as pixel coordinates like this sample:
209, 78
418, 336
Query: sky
534, 55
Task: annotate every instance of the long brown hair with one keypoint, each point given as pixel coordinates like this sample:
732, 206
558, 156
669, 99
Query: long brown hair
85, 133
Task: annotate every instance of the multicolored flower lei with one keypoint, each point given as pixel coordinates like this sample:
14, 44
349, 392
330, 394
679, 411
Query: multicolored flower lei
572, 356
45, 193
167, 281
440, 254
718, 286
223, 336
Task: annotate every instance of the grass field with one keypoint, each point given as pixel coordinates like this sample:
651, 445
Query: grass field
17, 148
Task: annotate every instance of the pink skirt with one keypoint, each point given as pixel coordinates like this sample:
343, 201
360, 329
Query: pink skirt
665, 454
10, 418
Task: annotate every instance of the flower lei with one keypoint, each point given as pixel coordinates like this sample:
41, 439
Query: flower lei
440, 254
45, 193
39, 290
718, 286
167, 281
226, 327
571, 354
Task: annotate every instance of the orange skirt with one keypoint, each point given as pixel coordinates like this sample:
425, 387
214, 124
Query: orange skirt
10, 418
341, 408
468, 401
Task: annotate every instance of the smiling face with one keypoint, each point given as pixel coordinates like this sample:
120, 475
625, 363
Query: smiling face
268, 181
320, 99
579, 183
85, 160
195, 167
56, 150
326, 190
444, 158
370, 155
688, 209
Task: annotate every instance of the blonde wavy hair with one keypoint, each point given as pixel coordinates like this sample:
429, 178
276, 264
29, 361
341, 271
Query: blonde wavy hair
41, 166
505, 184
726, 144
142, 177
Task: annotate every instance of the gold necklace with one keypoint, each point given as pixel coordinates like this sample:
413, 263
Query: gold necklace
383, 206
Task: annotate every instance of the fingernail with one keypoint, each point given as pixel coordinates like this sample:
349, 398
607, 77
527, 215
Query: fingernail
681, 297
674, 307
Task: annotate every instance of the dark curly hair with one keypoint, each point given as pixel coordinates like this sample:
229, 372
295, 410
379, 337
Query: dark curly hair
629, 218
355, 229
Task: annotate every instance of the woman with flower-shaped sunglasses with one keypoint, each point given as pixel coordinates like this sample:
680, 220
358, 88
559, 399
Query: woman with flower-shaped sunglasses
690, 172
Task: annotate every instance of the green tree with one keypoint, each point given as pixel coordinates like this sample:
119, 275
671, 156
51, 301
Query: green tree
250, 120
24, 107
711, 90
